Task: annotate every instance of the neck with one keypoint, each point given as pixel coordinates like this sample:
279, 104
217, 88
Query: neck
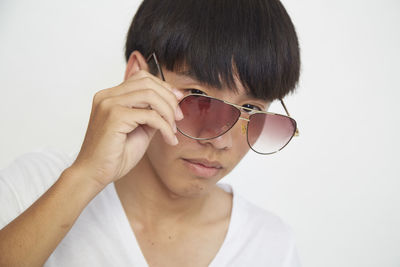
147, 200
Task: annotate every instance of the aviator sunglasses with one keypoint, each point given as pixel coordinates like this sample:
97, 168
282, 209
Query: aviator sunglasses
207, 117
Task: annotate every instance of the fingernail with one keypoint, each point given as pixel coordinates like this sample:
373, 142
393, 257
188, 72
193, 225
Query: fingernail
178, 114
174, 128
177, 93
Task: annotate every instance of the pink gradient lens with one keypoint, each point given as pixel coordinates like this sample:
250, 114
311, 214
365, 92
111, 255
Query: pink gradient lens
269, 133
206, 117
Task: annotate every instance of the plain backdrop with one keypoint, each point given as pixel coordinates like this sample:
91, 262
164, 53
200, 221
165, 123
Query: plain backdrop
337, 184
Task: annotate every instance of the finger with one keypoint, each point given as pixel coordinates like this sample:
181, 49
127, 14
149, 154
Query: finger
147, 83
129, 119
145, 99
146, 79
144, 74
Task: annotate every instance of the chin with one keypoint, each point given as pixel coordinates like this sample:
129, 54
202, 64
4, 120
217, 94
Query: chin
188, 189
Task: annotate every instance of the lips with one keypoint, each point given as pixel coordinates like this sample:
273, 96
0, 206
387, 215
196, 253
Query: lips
206, 163
202, 167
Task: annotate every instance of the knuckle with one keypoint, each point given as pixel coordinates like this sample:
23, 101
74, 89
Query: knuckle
105, 103
98, 96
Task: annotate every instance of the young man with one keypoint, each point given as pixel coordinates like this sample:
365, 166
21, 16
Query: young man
143, 189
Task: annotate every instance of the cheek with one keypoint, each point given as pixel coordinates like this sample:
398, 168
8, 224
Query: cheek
186, 142
242, 151
159, 151
165, 158
162, 153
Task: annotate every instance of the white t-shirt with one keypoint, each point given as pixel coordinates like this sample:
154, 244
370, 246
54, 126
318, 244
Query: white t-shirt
102, 235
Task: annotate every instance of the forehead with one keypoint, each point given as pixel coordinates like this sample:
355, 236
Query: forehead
238, 93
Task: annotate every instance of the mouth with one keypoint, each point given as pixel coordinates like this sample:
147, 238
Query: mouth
202, 167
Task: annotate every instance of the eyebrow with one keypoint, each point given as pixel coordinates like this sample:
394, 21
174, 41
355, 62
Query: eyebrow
187, 73
191, 75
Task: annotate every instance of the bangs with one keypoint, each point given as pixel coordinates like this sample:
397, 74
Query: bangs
219, 40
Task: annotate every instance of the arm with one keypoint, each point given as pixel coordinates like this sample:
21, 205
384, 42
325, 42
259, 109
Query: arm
32, 237
122, 123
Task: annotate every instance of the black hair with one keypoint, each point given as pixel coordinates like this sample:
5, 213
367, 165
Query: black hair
216, 40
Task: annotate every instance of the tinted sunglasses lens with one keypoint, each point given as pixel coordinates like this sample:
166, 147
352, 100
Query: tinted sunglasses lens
269, 133
206, 117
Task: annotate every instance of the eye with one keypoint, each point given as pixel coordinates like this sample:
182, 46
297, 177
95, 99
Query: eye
250, 106
195, 91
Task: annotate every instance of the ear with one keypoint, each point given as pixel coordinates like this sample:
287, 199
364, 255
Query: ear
135, 63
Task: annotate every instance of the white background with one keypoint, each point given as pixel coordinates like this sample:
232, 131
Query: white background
337, 184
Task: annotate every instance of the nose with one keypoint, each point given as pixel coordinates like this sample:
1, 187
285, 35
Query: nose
224, 141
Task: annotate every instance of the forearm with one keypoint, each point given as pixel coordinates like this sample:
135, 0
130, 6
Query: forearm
32, 237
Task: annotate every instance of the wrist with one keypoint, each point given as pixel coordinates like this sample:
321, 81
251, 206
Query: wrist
82, 179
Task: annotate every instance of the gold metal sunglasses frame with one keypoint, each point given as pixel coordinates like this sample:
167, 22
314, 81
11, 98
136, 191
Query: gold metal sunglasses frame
248, 111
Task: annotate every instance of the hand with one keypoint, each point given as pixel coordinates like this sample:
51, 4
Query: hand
122, 123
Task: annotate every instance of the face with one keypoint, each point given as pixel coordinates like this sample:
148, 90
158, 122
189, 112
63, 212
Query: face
193, 167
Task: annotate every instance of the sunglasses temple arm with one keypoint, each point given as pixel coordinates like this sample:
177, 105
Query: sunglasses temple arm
153, 55
287, 112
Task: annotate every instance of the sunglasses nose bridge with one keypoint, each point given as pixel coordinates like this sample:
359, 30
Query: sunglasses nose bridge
241, 116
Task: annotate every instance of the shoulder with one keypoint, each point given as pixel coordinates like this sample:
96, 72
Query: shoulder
28, 176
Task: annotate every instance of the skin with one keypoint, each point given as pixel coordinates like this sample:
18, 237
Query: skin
163, 199
130, 140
